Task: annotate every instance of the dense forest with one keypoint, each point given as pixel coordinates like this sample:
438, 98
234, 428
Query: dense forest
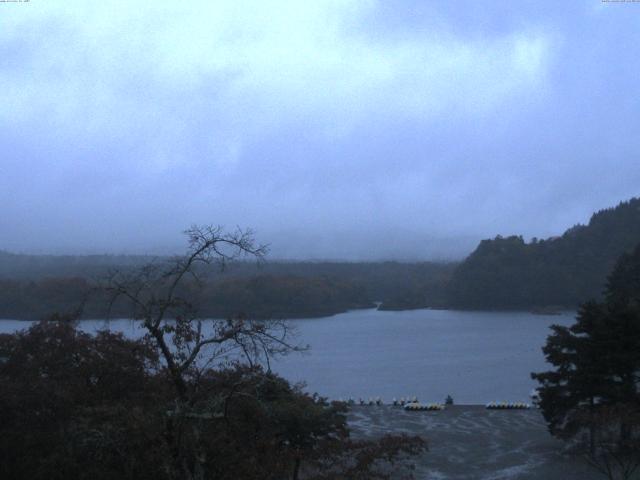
31, 287
510, 273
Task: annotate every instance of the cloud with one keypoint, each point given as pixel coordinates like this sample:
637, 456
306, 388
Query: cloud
166, 73
123, 122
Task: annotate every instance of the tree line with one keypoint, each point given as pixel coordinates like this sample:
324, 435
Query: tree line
39, 286
510, 273
261, 296
503, 273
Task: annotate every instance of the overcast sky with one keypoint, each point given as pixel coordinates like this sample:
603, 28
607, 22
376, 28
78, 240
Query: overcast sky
353, 129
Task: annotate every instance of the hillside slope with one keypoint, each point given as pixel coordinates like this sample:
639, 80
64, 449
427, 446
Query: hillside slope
508, 272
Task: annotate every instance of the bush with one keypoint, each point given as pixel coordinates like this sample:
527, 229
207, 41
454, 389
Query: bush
77, 406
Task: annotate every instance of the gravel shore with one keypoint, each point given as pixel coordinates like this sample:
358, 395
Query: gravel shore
469, 442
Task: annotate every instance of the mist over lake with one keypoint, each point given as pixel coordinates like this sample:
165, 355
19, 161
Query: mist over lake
475, 357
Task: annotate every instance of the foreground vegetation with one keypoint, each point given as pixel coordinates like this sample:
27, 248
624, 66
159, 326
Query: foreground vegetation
591, 397
76, 406
190, 400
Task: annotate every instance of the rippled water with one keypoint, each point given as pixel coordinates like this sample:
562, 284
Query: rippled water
473, 356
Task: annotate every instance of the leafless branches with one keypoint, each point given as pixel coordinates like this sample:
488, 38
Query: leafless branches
186, 342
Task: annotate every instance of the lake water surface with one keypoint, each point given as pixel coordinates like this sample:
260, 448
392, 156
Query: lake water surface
475, 357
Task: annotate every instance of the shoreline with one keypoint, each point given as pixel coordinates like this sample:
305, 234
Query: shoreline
469, 442
328, 314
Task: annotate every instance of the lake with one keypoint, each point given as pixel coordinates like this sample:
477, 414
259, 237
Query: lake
475, 357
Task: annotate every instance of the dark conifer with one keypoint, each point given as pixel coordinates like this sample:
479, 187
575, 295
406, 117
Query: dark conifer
597, 367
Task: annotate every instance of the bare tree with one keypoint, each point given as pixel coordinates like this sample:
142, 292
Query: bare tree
187, 343
161, 296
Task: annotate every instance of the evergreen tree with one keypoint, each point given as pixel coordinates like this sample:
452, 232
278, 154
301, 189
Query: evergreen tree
563, 271
597, 365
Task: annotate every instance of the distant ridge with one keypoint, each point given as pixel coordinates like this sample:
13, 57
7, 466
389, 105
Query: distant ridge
508, 273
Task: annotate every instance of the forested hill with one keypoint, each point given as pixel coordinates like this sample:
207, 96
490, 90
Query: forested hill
507, 272
33, 286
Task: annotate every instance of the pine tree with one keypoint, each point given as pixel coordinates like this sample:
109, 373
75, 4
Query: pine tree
596, 361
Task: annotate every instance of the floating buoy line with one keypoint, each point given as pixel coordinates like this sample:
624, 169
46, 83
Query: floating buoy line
508, 406
378, 401
420, 407
412, 403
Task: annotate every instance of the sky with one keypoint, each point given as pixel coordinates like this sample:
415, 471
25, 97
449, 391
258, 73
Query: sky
335, 129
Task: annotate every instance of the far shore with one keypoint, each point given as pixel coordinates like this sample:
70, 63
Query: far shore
378, 306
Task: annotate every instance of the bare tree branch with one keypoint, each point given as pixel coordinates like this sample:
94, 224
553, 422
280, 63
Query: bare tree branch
172, 321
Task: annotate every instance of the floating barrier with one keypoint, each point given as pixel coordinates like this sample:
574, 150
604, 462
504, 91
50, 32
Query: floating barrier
416, 406
377, 401
508, 406
402, 402
412, 403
